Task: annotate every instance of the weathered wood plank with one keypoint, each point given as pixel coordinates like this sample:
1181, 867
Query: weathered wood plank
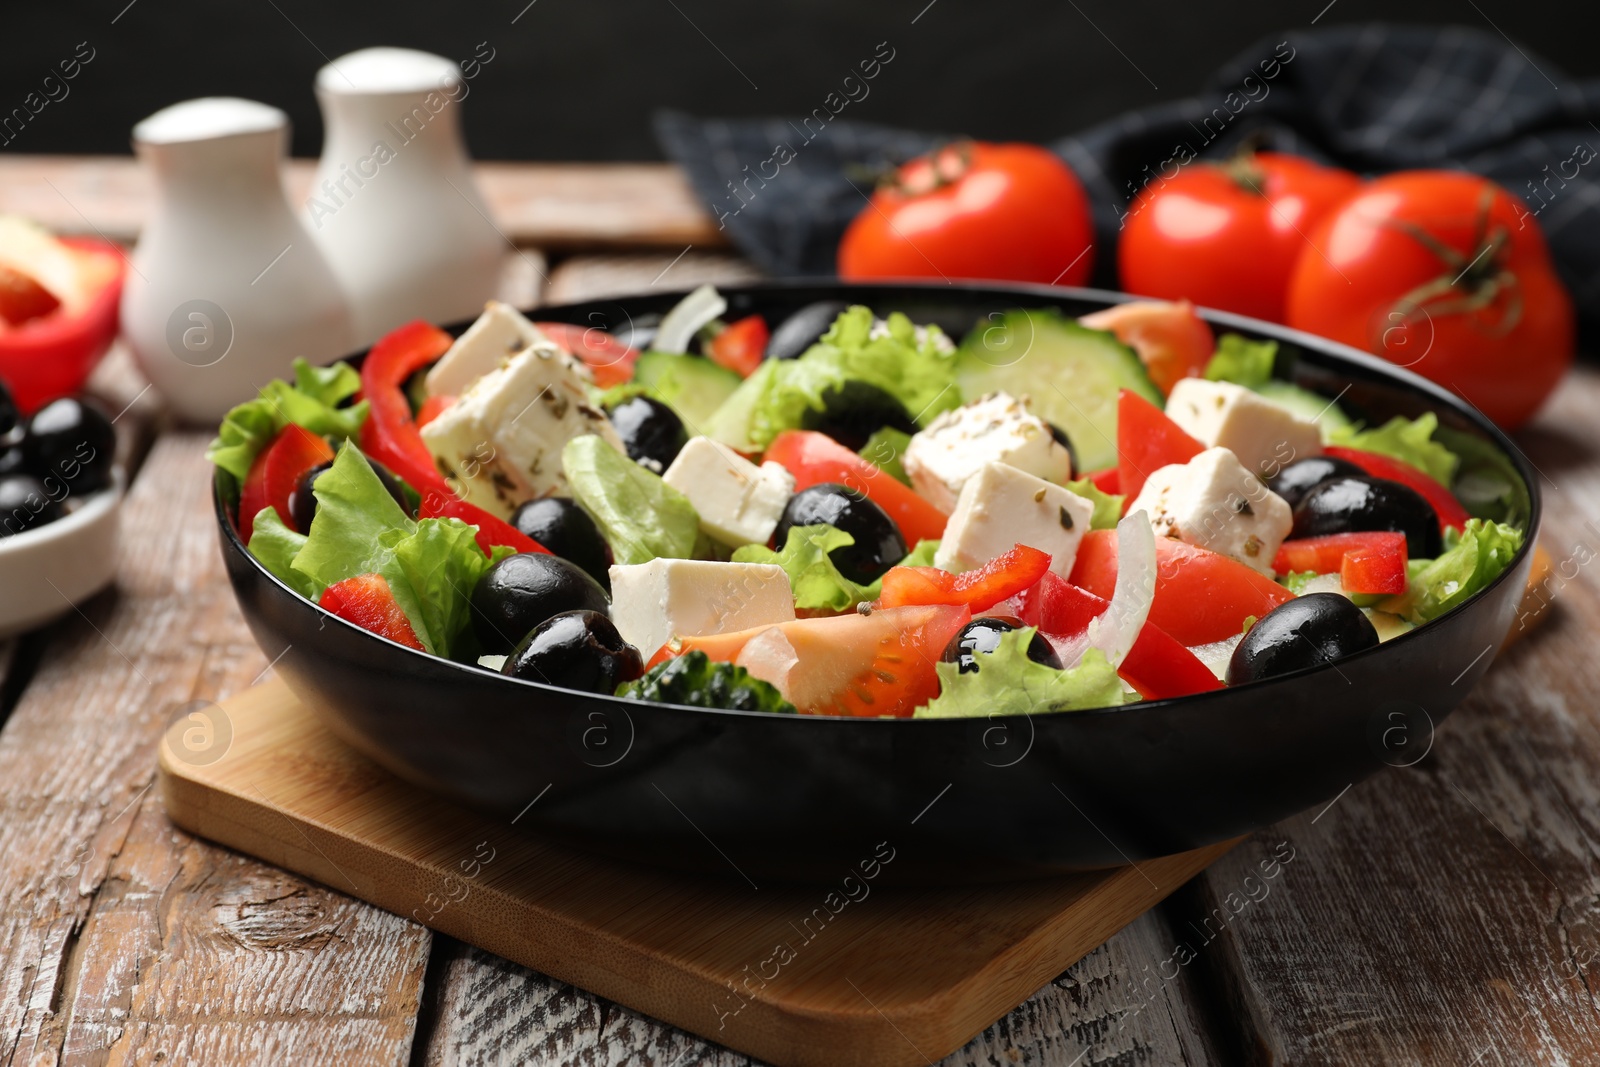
121, 939
564, 206
1447, 913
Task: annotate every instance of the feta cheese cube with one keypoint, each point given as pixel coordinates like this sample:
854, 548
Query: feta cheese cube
997, 428
500, 443
1214, 502
1266, 436
1002, 506
739, 503
651, 603
498, 334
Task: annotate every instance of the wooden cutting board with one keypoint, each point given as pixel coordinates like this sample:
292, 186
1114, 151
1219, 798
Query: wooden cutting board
852, 973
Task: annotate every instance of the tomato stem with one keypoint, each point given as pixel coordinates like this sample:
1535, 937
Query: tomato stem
1475, 284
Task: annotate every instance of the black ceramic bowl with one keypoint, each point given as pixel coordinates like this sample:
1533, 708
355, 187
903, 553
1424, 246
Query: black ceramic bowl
767, 796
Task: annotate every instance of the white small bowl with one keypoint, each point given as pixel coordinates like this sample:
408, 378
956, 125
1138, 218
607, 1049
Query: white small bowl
47, 570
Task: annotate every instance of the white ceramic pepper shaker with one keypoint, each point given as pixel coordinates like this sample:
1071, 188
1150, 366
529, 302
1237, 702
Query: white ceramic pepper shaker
394, 205
227, 288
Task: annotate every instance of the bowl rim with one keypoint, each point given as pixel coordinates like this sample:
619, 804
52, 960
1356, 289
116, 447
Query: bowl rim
1050, 294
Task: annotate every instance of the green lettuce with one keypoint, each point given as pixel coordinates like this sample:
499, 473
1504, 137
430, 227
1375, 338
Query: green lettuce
1007, 682
884, 449
916, 370
922, 555
310, 401
1408, 440
696, 680
1242, 362
818, 586
1472, 558
641, 517
1486, 483
431, 565
1107, 506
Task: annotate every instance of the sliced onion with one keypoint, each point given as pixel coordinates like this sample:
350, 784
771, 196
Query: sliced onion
679, 325
1115, 630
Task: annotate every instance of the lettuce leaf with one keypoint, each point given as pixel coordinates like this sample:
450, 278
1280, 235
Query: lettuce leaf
1107, 506
1007, 682
818, 585
1242, 362
1471, 559
884, 449
311, 401
276, 546
916, 369
922, 555
1487, 484
1408, 440
641, 517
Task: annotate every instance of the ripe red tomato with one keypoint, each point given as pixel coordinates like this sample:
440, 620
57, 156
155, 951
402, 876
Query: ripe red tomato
1227, 235
1147, 441
1010, 212
275, 474
1447, 274
1172, 341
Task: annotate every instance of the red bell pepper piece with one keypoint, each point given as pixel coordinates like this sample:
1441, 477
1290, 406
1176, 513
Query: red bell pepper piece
1147, 440
1002, 577
608, 359
50, 356
741, 345
1107, 481
492, 531
367, 601
390, 434
1371, 561
1448, 508
275, 474
1157, 666
432, 408
814, 458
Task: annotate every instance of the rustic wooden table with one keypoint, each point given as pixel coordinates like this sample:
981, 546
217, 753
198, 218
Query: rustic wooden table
1445, 913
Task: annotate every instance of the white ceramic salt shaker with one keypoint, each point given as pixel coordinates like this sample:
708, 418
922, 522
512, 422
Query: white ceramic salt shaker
394, 205
227, 288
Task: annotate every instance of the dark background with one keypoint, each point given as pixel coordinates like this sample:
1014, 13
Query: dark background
579, 80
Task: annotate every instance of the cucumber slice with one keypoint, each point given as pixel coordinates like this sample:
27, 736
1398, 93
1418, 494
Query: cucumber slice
693, 386
1070, 373
1307, 405
730, 423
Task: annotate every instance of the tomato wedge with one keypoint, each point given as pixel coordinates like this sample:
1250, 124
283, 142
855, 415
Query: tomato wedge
1172, 341
1367, 562
367, 601
390, 434
1201, 596
1146, 441
1001, 578
492, 530
608, 359
741, 345
814, 458
1448, 508
1107, 481
276, 472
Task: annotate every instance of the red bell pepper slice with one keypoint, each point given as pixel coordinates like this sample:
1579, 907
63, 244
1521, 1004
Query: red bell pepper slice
741, 345
390, 434
51, 356
367, 601
1371, 561
1157, 666
1146, 441
608, 359
814, 458
492, 531
1002, 577
275, 473
1107, 481
1445, 505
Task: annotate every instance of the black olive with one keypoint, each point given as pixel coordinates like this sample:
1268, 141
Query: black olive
854, 412
575, 650
1307, 631
1060, 437
1349, 504
12, 460
651, 432
983, 635
879, 544
560, 525
9, 415
72, 441
24, 504
524, 590
1297, 479
303, 501
800, 331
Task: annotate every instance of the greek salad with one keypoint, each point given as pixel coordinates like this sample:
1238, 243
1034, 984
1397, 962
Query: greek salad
848, 514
